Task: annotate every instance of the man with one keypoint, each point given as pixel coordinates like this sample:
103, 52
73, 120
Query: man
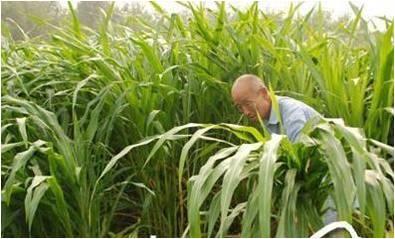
251, 96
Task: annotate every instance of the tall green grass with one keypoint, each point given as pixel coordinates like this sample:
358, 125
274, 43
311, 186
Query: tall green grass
71, 105
287, 184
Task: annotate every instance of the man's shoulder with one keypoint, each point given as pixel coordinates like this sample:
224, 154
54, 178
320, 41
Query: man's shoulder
290, 106
289, 103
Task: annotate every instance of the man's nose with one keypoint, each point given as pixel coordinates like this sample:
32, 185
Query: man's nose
246, 112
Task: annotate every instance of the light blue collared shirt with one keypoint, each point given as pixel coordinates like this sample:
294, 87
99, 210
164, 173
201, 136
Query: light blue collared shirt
294, 115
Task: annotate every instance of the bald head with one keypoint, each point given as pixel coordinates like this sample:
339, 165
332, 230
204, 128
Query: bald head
247, 84
250, 95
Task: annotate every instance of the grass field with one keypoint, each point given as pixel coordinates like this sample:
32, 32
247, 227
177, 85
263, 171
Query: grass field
127, 132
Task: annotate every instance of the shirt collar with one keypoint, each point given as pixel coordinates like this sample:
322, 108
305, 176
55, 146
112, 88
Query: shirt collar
273, 117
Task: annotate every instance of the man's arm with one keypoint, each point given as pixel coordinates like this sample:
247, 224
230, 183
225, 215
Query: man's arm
294, 123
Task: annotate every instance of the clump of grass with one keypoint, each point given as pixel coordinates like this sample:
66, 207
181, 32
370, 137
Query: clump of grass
286, 185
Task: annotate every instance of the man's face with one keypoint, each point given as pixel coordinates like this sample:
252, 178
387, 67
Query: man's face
250, 102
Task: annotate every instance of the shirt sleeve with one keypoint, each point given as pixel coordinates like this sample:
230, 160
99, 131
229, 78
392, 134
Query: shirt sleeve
294, 123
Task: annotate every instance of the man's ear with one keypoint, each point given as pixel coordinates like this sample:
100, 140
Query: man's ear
264, 92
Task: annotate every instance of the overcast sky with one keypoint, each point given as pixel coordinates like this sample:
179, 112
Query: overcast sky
372, 8
338, 7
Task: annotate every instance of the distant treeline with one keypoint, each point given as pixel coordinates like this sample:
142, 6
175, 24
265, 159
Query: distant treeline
39, 19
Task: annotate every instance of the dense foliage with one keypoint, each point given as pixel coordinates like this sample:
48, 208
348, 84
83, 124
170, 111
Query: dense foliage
131, 131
